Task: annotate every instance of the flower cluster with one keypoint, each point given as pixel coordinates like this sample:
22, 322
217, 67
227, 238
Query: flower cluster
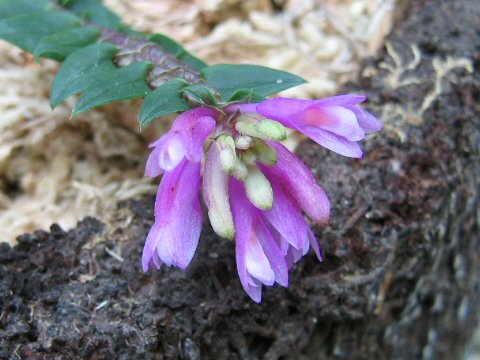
255, 189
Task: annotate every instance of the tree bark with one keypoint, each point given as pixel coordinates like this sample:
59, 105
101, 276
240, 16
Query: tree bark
400, 278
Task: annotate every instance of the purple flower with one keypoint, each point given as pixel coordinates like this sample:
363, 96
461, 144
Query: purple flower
174, 236
336, 123
268, 243
185, 139
254, 188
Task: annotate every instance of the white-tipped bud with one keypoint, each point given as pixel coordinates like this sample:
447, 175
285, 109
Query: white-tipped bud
265, 153
249, 157
259, 189
260, 127
227, 152
215, 193
243, 142
240, 171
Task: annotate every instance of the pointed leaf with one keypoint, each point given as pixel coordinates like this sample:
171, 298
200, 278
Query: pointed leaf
96, 12
192, 61
178, 51
58, 46
127, 30
168, 44
201, 94
10, 8
163, 100
263, 81
120, 84
81, 69
27, 30
244, 95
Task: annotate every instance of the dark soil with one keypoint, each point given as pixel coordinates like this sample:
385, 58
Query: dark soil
400, 279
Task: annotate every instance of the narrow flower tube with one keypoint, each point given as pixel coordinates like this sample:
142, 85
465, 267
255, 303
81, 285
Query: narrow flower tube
174, 236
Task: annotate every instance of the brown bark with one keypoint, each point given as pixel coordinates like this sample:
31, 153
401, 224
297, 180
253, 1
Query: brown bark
400, 278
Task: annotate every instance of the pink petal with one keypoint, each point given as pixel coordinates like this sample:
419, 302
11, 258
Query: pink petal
272, 252
293, 256
256, 261
336, 119
171, 153
178, 217
334, 123
286, 217
297, 180
342, 100
152, 168
150, 247
334, 142
194, 126
189, 118
367, 121
166, 155
243, 223
315, 246
284, 110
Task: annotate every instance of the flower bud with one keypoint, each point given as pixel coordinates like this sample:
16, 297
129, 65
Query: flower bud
261, 127
265, 153
227, 153
249, 157
243, 142
215, 192
240, 170
259, 189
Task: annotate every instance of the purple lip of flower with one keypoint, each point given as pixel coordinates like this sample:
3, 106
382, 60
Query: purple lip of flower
255, 189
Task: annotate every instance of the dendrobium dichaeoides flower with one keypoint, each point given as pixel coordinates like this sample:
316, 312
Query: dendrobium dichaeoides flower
255, 189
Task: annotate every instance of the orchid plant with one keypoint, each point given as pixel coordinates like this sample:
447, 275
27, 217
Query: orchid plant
224, 146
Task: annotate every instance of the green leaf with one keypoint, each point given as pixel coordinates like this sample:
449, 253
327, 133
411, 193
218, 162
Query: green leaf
168, 44
164, 100
127, 30
192, 61
263, 81
95, 11
81, 69
178, 51
58, 46
244, 95
201, 94
27, 30
120, 84
10, 8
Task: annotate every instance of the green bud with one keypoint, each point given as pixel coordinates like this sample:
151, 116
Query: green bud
243, 142
215, 193
265, 153
249, 157
259, 189
228, 156
240, 171
260, 127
